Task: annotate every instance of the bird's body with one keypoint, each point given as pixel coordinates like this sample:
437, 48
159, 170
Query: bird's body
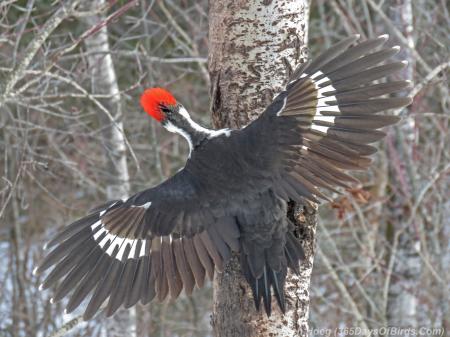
232, 193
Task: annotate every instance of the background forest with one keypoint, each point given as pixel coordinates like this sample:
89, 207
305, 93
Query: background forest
67, 143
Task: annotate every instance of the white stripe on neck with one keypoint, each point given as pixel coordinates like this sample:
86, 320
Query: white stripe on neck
210, 133
175, 129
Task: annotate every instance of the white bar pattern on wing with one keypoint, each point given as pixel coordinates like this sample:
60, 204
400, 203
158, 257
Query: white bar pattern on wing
328, 88
328, 119
322, 80
332, 108
117, 241
323, 102
316, 74
320, 128
143, 246
133, 249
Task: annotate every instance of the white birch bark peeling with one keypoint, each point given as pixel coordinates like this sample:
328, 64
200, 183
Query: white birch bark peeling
249, 44
104, 81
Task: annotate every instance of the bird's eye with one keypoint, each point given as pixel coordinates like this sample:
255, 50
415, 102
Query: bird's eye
165, 109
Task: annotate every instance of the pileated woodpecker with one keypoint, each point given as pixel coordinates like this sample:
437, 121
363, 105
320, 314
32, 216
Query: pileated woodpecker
232, 193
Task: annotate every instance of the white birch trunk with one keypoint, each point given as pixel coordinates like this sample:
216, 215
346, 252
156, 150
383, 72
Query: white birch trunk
249, 45
402, 304
104, 81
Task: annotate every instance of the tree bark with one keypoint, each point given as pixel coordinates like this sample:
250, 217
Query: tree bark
402, 301
252, 46
104, 82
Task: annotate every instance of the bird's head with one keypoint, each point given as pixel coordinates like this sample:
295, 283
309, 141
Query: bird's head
161, 105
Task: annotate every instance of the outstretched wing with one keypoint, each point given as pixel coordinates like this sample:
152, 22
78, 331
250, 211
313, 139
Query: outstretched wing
155, 243
169, 237
324, 121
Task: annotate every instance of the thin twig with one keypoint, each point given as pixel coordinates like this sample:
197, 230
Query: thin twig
343, 290
67, 327
62, 13
427, 79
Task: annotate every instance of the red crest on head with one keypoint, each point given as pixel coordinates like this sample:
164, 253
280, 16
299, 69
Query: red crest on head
151, 100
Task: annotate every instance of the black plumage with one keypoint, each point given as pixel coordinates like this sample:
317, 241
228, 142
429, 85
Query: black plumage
104, 287
195, 265
231, 195
88, 283
118, 290
185, 272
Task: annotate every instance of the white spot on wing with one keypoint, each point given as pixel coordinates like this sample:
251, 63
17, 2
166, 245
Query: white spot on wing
320, 128
328, 119
146, 205
96, 224
316, 74
284, 105
143, 246
324, 103
117, 241
105, 240
332, 108
328, 88
124, 244
133, 249
322, 80
98, 233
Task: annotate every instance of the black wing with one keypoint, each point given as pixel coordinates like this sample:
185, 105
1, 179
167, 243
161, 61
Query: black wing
324, 121
156, 243
167, 238
160, 240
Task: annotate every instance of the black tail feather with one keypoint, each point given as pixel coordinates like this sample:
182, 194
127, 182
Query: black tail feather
277, 280
271, 279
267, 297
